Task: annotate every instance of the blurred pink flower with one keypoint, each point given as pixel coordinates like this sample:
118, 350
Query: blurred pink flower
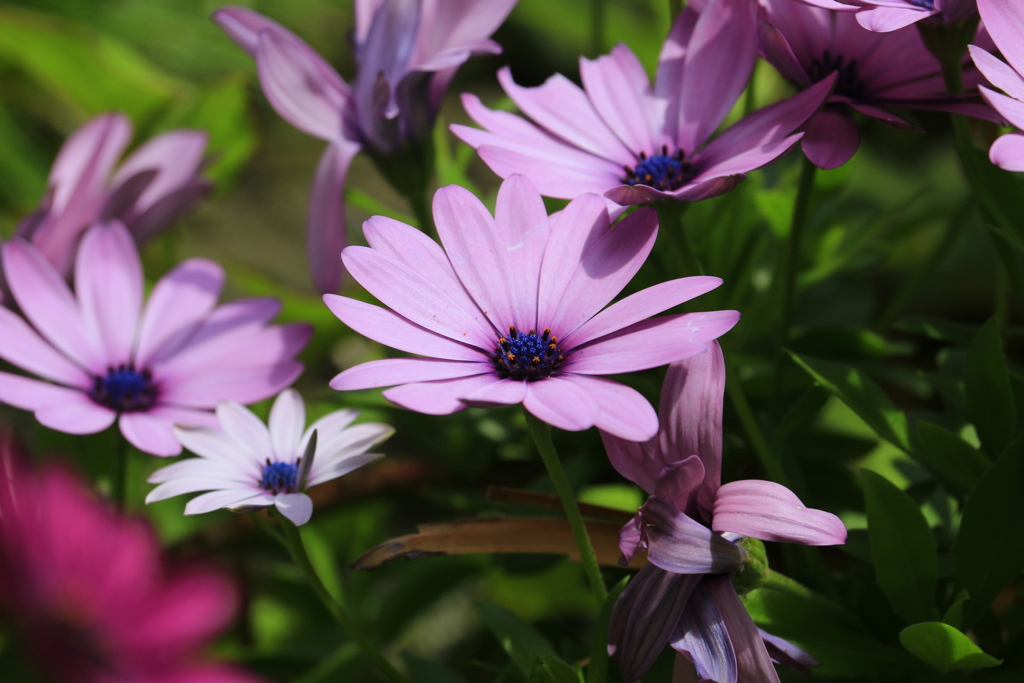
157, 184
689, 528
889, 15
110, 357
408, 52
246, 466
509, 311
93, 595
618, 137
1005, 22
875, 72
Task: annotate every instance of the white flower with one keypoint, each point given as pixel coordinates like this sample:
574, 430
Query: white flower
248, 466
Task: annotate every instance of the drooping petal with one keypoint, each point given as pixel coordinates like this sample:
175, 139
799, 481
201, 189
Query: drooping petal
681, 482
176, 156
831, 138
442, 397
703, 637
392, 371
752, 660
677, 543
779, 53
624, 411
787, 654
287, 420
771, 512
645, 616
325, 225
297, 507
1007, 152
150, 434
562, 403
631, 459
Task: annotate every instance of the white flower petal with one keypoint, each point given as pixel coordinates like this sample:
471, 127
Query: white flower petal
287, 418
242, 425
217, 499
295, 506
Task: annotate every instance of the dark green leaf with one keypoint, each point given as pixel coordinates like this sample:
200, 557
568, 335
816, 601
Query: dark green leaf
903, 548
954, 616
863, 397
937, 328
955, 462
523, 643
944, 647
428, 671
987, 386
841, 342
989, 549
998, 191
552, 670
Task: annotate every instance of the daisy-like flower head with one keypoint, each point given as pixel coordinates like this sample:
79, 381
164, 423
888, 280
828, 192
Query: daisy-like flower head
510, 310
1005, 22
91, 593
108, 356
619, 137
248, 466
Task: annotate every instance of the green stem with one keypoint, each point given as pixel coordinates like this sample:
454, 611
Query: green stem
952, 73
673, 231
420, 205
790, 265
541, 432
291, 538
598, 17
120, 479
771, 464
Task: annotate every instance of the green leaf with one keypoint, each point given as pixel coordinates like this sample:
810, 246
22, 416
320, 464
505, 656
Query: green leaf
552, 670
989, 549
998, 191
322, 558
952, 460
862, 396
428, 671
523, 643
945, 648
987, 387
954, 616
903, 548
937, 328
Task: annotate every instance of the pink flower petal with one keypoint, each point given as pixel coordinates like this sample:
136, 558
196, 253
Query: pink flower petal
625, 413
633, 459
391, 329
1007, 152
76, 414
297, 507
108, 283
23, 347
886, 19
1010, 108
176, 156
831, 138
243, 384
703, 638
998, 73
668, 82
149, 433
1004, 21
560, 178
31, 394
771, 512
325, 226
681, 482
562, 403
391, 371
506, 392
442, 397
779, 53
620, 91
752, 660
679, 544
522, 224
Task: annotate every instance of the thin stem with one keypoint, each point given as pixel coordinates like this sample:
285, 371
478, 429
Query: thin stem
789, 266
291, 538
952, 73
541, 432
120, 479
771, 464
673, 231
598, 17
420, 205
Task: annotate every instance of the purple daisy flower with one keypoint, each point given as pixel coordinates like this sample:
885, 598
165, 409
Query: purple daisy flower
107, 356
408, 52
156, 185
634, 144
1005, 22
874, 72
888, 15
689, 528
510, 310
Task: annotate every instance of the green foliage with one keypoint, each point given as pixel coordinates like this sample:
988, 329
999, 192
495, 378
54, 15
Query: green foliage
987, 387
944, 648
954, 461
528, 649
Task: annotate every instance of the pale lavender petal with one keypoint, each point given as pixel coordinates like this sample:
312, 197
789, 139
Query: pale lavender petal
108, 283
681, 483
625, 412
506, 393
296, 85
325, 225
831, 138
243, 26
1010, 108
199, 468
176, 156
392, 371
150, 433
606, 267
31, 394
787, 654
457, 25
218, 446
391, 329
1007, 152
286, 423
640, 306
703, 637
679, 544
576, 228
328, 428
417, 298
644, 617
632, 460
47, 302
297, 507
562, 403
771, 512
998, 73
364, 12
668, 81
752, 660
631, 538
383, 62
186, 417
560, 178
258, 502
242, 383
175, 308
562, 108
77, 414
182, 485
332, 468
886, 19
356, 439
168, 209
23, 347
442, 397
477, 252
719, 59
1005, 23
620, 91
522, 225
651, 343
242, 425
208, 502
627, 195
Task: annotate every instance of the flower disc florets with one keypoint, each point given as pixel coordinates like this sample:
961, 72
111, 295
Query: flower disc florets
848, 80
280, 477
529, 356
125, 389
663, 171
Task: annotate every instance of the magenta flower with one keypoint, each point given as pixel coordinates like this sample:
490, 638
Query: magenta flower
1005, 22
156, 185
875, 72
107, 356
620, 138
92, 594
246, 466
408, 52
509, 311
888, 15
689, 528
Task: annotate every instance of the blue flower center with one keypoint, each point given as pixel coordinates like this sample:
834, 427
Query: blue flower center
280, 477
923, 4
529, 356
847, 82
665, 172
125, 389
